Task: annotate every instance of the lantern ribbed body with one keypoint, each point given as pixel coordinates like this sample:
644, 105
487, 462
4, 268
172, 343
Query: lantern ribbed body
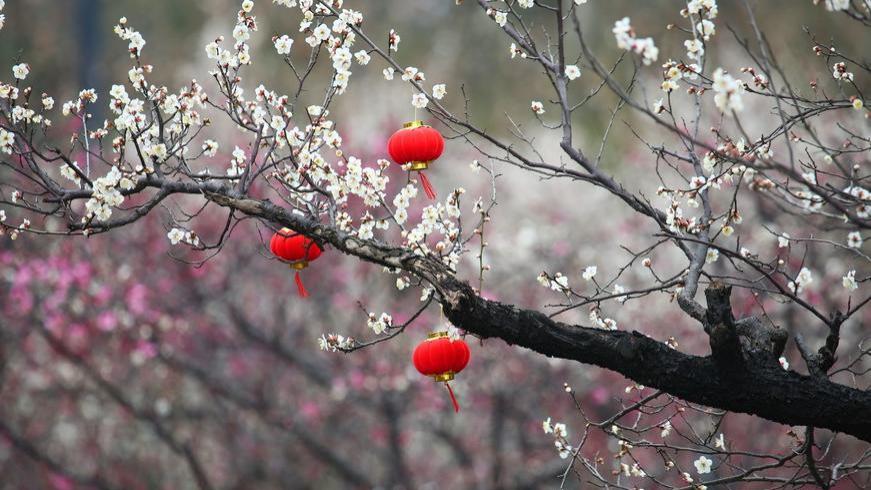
294, 247
441, 357
417, 143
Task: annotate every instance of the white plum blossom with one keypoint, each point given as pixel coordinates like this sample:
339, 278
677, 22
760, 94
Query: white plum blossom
439, 91
712, 255
393, 41
589, 272
666, 429
839, 72
803, 279
501, 18
419, 100
283, 44
727, 91
783, 240
849, 281
362, 57
210, 148
537, 107
836, 5
854, 239
783, 363
21, 70
703, 465
572, 72
706, 28
388, 73
175, 236
708, 8
7, 139
695, 48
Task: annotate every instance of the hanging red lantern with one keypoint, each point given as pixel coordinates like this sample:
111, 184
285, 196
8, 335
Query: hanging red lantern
417, 145
442, 357
297, 249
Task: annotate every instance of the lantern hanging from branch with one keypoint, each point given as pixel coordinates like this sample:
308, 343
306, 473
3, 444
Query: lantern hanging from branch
417, 145
297, 249
442, 357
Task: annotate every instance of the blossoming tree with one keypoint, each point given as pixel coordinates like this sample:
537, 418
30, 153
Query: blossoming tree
755, 187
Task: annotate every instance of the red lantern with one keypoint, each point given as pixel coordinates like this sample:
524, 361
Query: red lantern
296, 249
441, 357
418, 145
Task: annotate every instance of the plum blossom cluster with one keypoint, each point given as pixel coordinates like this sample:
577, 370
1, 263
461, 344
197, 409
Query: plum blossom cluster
626, 40
727, 91
379, 324
560, 435
335, 343
178, 235
106, 195
438, 219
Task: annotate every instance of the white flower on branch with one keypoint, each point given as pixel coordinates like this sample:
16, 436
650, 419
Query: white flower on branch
283, 44
727, 91
703, 465
419, 100
839, 72
849, 281
854, 239
706, 28
572, 72
335, 342
537, 107
803, 279
21, 70
666, 429
712, 255
362, 57
380, 324
439, 91
837, 5
7, 139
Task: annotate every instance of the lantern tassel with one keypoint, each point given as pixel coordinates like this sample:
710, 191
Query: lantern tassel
303, 293
427, 186
453, 398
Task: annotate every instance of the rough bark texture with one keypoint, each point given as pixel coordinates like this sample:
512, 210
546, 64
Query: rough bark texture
748, 380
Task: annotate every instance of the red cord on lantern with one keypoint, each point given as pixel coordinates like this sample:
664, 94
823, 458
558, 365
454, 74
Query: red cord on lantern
427, 186
441, 357
453, 398
300, 288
